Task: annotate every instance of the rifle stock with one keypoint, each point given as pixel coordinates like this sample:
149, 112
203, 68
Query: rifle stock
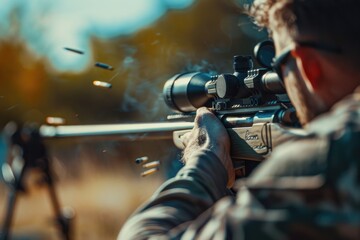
252, 140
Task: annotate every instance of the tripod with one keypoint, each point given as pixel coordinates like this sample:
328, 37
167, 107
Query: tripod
27, 152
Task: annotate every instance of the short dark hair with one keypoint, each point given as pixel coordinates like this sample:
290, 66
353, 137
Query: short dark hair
331, 22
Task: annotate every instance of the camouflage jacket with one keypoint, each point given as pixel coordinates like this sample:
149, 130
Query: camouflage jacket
308, 189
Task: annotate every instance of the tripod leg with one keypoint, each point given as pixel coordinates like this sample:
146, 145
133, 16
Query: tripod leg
63, 220
9, 215
15, 180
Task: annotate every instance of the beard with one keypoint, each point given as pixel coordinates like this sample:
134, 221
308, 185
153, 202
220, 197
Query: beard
307, 104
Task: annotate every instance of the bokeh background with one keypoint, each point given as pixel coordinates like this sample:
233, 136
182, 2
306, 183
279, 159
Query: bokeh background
147, 42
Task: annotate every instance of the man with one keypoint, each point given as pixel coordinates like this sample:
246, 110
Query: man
310, 186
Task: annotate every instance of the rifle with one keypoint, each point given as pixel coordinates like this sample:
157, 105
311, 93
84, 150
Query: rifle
251, 103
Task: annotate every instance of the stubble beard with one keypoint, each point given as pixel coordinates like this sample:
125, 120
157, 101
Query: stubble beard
308, 106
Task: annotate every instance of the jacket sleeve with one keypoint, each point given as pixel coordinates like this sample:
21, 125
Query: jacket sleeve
307, 190
196, 187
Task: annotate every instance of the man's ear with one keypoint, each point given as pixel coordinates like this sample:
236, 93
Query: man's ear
309, 66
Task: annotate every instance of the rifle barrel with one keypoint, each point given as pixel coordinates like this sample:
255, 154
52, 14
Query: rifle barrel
134, 129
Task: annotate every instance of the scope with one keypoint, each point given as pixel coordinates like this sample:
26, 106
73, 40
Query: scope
245, 87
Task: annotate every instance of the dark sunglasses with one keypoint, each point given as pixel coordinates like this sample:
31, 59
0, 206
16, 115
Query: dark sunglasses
283, 57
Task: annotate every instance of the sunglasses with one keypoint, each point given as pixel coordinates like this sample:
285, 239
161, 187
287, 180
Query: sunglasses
283, 57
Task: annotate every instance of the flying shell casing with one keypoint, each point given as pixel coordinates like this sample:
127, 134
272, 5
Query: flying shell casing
55, 120
151, 164
102, 84
104, 66
74, 50
141, 160
149, 172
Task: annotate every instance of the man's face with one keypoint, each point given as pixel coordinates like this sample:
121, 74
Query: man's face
307, 103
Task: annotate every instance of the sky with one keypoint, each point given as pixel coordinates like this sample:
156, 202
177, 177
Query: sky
49, 26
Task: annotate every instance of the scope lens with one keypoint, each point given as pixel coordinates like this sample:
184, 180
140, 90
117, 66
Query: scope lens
187, 92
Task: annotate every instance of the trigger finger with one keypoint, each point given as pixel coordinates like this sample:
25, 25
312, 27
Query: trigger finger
185, 138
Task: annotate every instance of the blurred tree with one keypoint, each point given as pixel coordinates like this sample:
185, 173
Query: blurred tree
202, 38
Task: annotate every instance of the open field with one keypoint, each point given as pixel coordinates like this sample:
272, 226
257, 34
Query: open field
101, 196
102, 203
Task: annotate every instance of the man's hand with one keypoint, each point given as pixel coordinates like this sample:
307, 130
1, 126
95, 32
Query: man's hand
209, 133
